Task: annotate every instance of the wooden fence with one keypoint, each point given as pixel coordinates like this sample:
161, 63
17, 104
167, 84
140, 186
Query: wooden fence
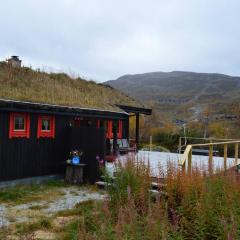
183, 141
187, 155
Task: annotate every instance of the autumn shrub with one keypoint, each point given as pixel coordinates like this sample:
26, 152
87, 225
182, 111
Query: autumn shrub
196, 206
131, 186
204, 207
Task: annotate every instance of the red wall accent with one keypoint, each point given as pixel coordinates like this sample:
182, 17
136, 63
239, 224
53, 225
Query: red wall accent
77, 122
98, 123
120, 125
109, 133
24, 133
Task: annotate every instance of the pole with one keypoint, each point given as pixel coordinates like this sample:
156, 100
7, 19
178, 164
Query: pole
236, 153
150, 143
189, 167
225, 157
179, 145
184, 132
115, 137
137, 130
210, 160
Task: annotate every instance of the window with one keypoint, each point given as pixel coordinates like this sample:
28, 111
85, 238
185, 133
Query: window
46, 126
19, 125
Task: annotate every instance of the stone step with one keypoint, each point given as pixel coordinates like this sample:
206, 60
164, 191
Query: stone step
157, 185
102, 184
157, 193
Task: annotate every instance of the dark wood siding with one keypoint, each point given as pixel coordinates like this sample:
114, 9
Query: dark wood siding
22, 157
91, 141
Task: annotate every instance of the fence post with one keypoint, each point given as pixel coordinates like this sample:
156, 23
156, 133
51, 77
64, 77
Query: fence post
236, 153
225, 156
210, 159
190, 162
150, 143
184, 168
179, 145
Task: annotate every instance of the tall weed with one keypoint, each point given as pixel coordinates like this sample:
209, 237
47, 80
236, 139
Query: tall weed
196, 207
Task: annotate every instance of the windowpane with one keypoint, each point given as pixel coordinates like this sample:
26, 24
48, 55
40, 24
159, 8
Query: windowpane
19, 123
46, 125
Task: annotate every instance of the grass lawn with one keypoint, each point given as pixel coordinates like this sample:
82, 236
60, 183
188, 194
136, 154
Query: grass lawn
28, 193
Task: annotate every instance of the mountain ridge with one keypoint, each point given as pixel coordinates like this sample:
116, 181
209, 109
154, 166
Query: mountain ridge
181, 89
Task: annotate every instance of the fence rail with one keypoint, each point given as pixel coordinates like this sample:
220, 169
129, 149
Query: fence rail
210, 140
187, 155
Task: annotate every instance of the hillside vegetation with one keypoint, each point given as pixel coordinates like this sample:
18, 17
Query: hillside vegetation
58, 88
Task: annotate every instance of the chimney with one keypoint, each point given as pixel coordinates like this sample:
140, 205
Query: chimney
14, 61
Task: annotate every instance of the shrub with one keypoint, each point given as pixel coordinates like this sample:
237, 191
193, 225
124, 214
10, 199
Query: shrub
131, 186
196, 207
168, 140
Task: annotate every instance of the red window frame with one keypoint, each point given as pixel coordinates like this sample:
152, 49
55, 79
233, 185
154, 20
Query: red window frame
19, 133
43, 133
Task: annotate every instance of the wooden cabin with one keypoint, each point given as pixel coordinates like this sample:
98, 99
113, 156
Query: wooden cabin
36, 138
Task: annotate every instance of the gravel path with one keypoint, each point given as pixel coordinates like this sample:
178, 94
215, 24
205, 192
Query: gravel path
71, 197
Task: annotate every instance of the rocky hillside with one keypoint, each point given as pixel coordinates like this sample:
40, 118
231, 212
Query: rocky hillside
58, 88
181, 94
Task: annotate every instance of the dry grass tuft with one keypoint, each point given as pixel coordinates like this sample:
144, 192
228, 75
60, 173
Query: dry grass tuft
57, 88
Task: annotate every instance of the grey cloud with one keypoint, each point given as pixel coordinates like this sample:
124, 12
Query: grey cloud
104, 39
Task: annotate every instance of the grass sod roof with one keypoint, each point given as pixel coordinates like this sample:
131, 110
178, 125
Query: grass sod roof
25, 84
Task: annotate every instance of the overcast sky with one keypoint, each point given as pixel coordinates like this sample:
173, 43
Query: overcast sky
104, 39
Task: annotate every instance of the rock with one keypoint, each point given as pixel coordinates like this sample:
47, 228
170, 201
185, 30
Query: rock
61, 221
46, 235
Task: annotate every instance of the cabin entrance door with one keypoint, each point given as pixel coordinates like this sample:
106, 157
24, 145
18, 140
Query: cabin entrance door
91, 141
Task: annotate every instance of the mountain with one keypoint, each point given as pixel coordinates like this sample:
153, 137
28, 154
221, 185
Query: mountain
22, 83
181, 94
